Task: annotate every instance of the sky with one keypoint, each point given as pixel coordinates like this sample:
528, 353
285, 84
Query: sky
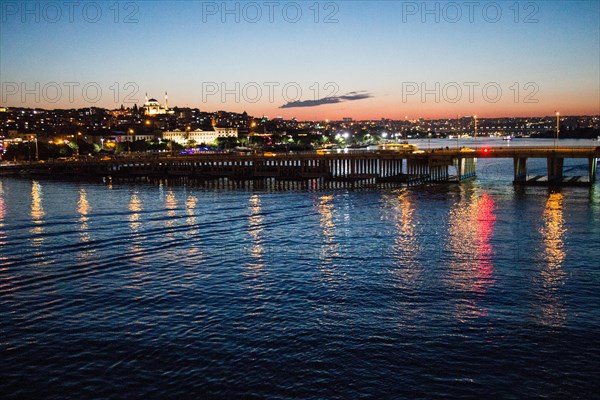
312, 60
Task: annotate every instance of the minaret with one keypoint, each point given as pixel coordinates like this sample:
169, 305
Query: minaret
146, 107
166, 102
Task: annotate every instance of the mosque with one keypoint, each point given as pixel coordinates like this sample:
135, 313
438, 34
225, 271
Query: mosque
153, 107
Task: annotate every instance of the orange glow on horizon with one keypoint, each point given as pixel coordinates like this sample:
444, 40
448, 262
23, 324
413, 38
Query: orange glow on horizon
583, 102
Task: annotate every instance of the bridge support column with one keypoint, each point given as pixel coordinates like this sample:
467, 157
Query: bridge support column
520, 169
471, 165
592, 169
465, 168
555, 169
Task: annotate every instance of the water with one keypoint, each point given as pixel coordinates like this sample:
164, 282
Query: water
124, 290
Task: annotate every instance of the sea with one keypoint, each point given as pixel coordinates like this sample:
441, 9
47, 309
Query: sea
173, 290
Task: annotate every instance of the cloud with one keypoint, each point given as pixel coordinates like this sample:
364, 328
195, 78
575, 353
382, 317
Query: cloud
352, 96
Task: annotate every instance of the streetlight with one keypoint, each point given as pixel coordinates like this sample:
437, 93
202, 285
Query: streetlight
475, 131
557, 127
77, 144
457, 130
131, 132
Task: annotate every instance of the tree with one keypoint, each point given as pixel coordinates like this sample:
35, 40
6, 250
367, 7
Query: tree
226, 142
26, 151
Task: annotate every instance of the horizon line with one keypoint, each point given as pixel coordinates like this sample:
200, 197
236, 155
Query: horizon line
553, 115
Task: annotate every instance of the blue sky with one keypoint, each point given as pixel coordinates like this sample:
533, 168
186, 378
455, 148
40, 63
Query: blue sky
544, 58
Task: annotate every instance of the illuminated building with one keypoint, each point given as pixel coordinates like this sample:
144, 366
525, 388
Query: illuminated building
132, 136
199, 135
153, 107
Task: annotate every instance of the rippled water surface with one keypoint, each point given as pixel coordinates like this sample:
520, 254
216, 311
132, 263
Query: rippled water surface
127, 290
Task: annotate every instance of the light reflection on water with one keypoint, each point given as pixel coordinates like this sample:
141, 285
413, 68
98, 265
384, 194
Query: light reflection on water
2, 216
194, 251
471, 268
3, 237
83, 209
255, 229
37, 214
406, 250
135, 207
171, 214
136, 246
329, 249
553, 276
255, 269
445, 305
190, 207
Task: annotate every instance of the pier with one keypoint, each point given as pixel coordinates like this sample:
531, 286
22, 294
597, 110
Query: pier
356, 167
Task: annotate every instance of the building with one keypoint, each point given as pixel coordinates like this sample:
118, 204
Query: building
120, 137
17, 136
200, 136
153, 107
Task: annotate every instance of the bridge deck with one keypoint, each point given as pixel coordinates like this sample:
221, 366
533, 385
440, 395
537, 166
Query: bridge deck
383, 165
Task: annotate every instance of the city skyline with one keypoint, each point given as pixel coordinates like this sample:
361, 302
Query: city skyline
346, 118
327, 60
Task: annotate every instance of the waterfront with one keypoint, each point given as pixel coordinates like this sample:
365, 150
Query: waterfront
163, 290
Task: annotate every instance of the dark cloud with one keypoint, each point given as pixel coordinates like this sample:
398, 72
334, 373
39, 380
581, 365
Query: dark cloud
355, 96
328, 100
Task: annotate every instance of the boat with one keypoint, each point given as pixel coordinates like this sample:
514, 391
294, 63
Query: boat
508, 137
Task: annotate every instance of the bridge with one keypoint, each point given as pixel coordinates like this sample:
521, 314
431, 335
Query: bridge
404, 167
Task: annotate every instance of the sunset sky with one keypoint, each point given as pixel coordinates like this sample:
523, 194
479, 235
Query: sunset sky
309, 60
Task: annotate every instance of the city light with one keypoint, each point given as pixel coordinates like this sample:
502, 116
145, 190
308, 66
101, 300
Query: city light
557, 128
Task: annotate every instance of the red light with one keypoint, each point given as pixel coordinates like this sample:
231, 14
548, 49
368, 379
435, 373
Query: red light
486, 150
